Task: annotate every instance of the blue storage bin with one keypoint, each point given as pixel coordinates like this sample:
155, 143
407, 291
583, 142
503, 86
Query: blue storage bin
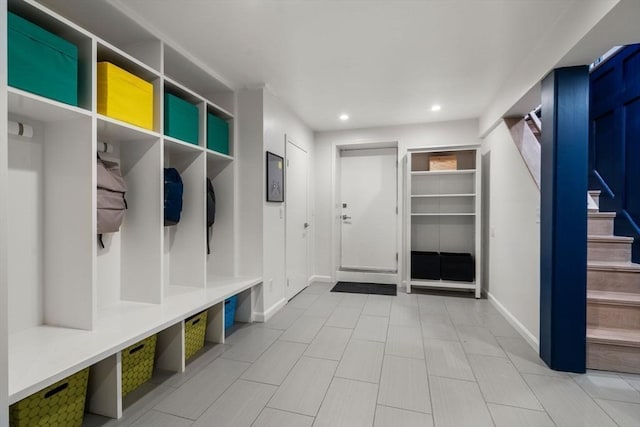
230, 311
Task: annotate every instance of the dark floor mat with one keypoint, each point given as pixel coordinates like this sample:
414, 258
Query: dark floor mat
365, 288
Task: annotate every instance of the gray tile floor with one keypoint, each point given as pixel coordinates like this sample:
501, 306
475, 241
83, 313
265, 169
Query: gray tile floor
330, 359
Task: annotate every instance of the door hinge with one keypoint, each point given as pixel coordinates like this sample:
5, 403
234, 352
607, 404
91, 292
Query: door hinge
287, 162
396, 210
396, 256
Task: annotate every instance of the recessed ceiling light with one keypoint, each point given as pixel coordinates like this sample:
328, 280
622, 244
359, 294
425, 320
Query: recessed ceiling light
344, 117
436, 107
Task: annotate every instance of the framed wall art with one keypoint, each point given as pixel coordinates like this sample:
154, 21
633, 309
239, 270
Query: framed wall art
275, 178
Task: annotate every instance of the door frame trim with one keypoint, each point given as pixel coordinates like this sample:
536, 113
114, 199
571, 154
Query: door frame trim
336, 274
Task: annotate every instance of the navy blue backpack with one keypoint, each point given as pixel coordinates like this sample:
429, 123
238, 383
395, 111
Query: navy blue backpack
172, 196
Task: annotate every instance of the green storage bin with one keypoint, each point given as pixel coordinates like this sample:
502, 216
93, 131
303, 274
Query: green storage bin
137, 364
180, 119
195, 328
60, 405
217, 134
41, 62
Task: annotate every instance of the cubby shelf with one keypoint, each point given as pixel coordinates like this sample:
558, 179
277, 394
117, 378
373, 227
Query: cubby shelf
447, 172
443, 284
118, 327
114, 129
214, 155
108, 52
75, 304
426, 196
443, 210
182, 90
42, 109
444, 214
179, 146
220, 111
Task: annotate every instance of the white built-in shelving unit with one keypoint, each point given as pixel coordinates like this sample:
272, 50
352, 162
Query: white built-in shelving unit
73, 304
443, 210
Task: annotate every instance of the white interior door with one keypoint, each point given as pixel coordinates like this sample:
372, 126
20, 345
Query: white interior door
368, 190
296, 187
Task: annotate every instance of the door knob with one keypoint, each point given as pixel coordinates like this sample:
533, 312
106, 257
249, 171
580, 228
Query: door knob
345, 217
307, 225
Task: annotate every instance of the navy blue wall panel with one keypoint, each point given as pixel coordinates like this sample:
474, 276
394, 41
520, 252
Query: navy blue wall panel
614, 143
563, 218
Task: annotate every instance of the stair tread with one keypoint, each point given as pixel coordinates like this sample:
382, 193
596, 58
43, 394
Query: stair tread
598, 214
613, 266
624, 337
618, 298
610, 239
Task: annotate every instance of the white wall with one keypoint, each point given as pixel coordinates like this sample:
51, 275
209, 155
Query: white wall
462, 132
4, 285
512, 251
263, 122
279, 121
249, 190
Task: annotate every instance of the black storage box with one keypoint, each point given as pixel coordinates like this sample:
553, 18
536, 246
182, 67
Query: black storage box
457, 267
425, 265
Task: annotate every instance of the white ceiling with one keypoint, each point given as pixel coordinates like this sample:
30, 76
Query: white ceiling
383, 62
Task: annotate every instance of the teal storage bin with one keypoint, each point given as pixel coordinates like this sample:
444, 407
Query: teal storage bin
217, 134
230, 311
180, 119
41, 62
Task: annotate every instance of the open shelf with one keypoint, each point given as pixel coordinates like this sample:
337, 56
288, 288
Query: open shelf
448, 284
442, 210
221, 237
219, 111
436, 173
185, 243
178, 146
218, 157
183, 91
50, 175
69, 31
129, 35
42, 109
113, 129
444, 214
420, 196
443, 206
129, 266
109, 53
181, 67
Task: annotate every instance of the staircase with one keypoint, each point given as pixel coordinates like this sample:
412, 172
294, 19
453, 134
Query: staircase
613, 297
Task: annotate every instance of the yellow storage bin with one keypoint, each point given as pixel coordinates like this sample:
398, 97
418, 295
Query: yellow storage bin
123, 96
137, 364
60, 405
194, 332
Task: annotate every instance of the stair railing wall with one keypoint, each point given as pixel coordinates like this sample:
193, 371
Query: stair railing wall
614, 140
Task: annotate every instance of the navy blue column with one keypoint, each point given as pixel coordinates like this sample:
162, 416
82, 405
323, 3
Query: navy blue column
563, 218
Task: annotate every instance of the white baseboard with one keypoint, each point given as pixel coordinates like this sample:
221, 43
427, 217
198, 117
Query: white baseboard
522, 330
268, 314
320, 278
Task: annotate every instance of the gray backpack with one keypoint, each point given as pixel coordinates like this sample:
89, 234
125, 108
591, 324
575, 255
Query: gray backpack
111, 201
